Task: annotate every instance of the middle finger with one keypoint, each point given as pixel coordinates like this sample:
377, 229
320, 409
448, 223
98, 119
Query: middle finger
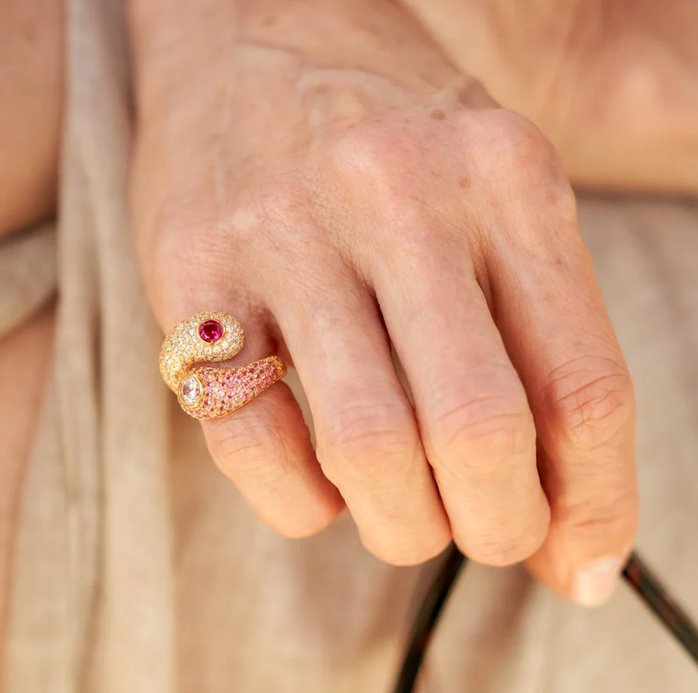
476, 425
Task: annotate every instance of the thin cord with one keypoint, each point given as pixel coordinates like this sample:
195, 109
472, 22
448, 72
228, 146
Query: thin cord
656, 598
427, 618
636, 573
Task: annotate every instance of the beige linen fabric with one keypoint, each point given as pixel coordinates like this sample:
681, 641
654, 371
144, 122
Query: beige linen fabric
139, 569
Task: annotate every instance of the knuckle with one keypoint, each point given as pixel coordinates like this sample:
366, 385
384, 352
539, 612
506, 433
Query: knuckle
248, 452
590, 400
362, 147
613, 517
370, 151
479, 428
277, 209
512, 147
376, 161
367, 438
511, 137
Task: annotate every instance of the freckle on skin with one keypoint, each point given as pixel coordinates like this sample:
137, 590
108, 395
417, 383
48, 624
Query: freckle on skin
464, 183
270, 20
29, 32
438, 115
474, 96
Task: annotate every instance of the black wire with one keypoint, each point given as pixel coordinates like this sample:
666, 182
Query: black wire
672, 616
427, 618
636, 573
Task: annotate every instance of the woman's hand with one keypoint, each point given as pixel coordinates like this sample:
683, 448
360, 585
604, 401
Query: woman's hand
323, 174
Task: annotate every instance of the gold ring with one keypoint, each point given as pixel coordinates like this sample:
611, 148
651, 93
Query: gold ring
207, 392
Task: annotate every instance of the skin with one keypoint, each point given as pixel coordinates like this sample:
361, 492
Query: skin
31, 55
31, 94
611, 83
342, 199
462, 212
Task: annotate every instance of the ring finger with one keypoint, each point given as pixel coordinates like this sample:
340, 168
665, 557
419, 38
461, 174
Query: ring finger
367, 437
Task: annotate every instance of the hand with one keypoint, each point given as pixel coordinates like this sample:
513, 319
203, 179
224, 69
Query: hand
339, 212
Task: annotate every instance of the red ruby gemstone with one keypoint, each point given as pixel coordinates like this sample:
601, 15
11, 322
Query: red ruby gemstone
210, 331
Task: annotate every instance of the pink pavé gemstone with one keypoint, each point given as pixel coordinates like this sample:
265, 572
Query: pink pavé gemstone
210, 331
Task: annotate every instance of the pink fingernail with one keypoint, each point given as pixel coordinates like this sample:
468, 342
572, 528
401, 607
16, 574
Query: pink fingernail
594, 582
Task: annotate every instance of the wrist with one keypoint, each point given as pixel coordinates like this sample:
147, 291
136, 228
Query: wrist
363, 35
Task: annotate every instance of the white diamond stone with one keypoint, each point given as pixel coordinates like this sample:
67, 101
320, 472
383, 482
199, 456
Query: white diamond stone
191, 389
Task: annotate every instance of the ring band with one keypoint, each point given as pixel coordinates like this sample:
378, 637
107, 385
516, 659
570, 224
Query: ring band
208, 392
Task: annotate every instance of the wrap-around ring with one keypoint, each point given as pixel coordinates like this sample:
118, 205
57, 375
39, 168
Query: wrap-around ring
207, 392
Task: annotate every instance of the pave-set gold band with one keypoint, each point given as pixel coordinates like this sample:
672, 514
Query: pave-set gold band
207, 392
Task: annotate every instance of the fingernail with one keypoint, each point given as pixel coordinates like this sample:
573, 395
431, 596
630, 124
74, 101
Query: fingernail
594, 582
